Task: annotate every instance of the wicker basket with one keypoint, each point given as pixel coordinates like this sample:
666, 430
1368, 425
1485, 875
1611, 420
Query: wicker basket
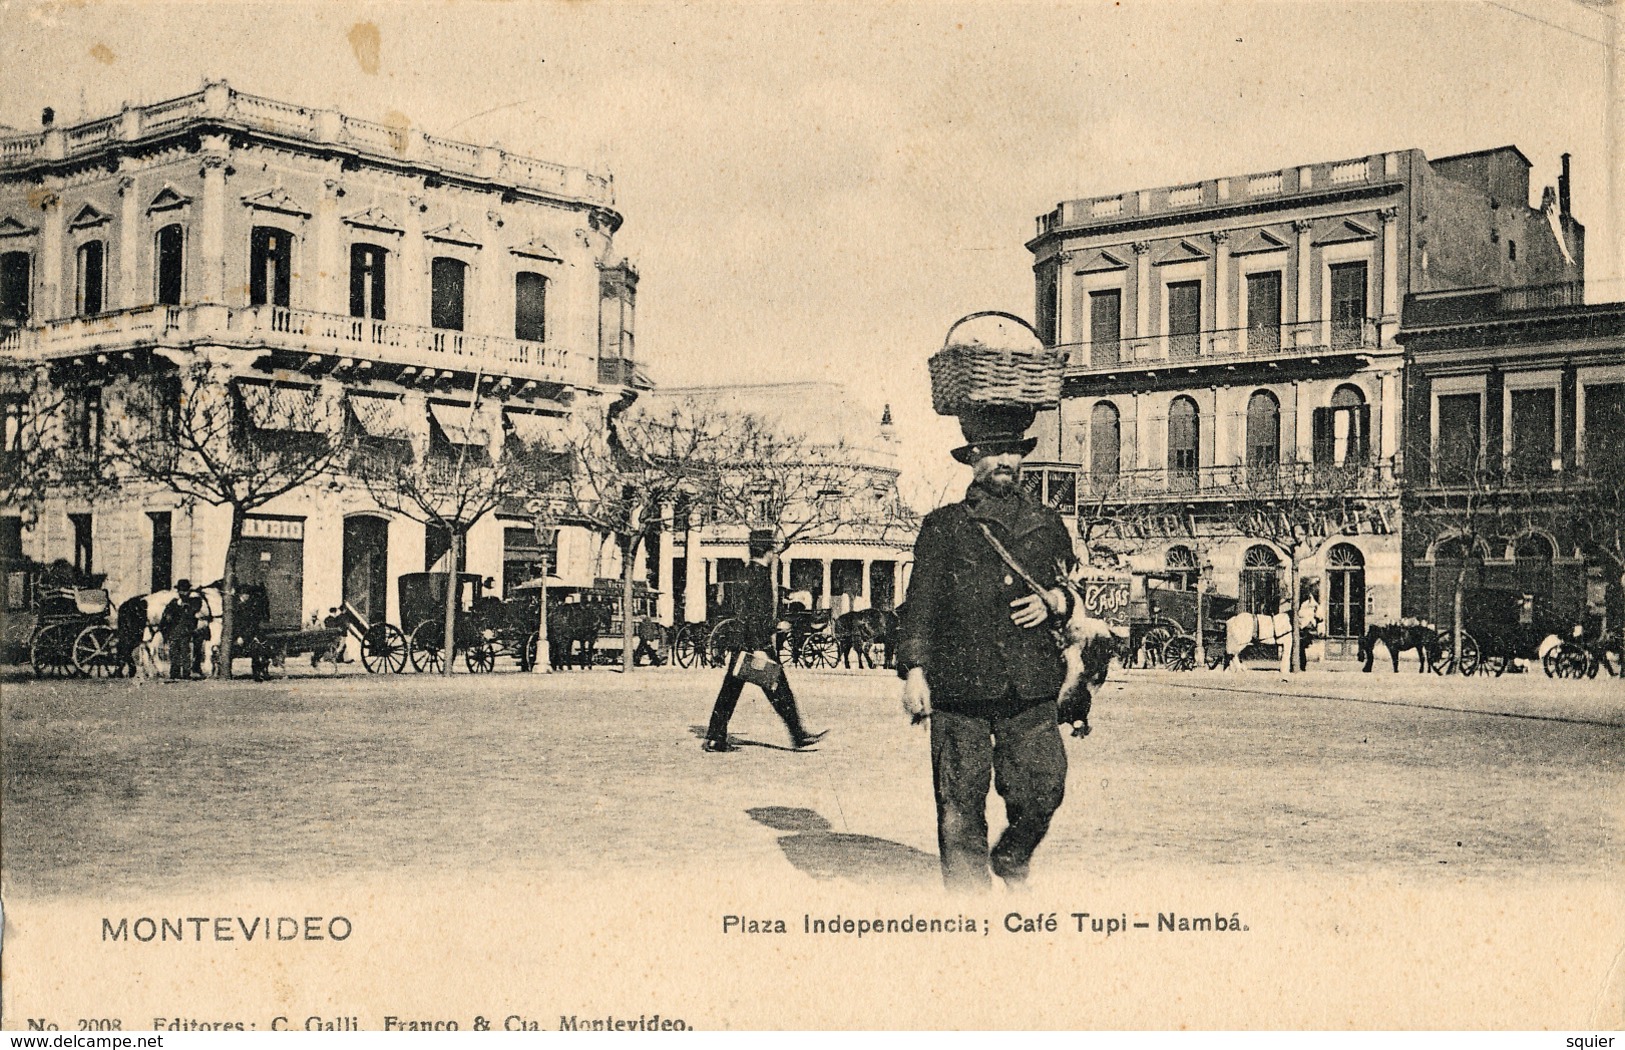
968, 371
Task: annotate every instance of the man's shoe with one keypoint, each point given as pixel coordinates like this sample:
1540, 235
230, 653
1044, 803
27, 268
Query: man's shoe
809, 739
717, 745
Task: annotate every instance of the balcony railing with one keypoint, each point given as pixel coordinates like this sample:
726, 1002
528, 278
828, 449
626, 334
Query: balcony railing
1375, 477
298, 330
1301, 339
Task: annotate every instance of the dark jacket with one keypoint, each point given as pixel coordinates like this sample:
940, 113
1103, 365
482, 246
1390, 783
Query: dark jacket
757, 607
956, 623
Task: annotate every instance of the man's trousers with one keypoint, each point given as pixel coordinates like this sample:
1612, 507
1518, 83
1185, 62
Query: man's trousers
781, 697
1025, 759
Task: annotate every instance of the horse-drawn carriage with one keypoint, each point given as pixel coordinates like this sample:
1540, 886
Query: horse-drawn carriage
1164, 619
73, 635
484, 627
1502, 627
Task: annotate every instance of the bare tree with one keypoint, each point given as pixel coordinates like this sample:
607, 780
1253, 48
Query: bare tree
451, 486
31, 436
1598, 507
206, 437
629, 466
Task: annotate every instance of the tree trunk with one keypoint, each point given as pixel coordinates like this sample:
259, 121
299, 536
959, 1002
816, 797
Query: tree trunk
629, 555
1289, 651
1455, 612
450, 642
228, 596
1620, 628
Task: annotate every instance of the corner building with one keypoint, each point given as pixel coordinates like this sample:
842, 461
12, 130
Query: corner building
425, 289
1228, 338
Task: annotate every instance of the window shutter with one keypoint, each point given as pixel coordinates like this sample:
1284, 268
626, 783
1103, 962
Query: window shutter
1323, 436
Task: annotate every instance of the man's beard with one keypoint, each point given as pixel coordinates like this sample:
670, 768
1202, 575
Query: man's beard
1001, 483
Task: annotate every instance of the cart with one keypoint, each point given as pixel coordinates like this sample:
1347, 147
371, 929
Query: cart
72, 635
1163, 622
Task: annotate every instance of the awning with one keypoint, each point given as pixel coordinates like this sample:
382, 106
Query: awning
382, 417
537, 430
460, 424
282, 407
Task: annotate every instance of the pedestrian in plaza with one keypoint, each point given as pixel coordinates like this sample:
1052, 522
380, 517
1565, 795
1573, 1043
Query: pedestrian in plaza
179, 626
756, 607
977, 660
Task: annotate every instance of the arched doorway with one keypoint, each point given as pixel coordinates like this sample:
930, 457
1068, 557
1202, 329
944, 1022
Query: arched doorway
1453, 559
1345, 601
1260, 581
366, 566
1532, 563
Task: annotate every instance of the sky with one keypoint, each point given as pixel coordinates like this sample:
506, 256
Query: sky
819, 191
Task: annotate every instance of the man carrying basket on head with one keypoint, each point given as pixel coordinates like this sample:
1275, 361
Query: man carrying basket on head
972, 646
758, 611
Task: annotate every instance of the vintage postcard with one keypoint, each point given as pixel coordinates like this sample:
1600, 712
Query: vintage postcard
660, 517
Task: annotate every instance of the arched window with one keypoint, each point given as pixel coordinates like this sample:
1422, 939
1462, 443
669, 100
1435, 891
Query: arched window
88, 291
169, 253
1345, 592
1105, 445
1182, 567
1342, 431
1184, 444
1532, 560
1261, 581
1453, 560
1263, 436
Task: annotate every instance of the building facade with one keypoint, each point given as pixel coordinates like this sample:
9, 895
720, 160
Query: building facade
1513, 402
859, 548
1231, 340
418, 289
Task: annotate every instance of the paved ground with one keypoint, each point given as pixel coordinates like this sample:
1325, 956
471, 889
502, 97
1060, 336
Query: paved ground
148, 786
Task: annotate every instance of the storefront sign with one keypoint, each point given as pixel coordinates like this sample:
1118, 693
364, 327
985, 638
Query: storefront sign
274, 528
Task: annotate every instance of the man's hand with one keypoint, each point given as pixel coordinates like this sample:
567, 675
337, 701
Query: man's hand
916, 695
1034, 609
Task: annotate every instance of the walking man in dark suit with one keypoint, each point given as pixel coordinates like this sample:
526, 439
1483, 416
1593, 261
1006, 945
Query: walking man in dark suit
757, 609
976, 660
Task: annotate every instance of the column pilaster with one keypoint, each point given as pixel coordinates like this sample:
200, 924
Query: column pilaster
1223, 338
1388, 317
129, 247
212, 236
49, 306
1301, 263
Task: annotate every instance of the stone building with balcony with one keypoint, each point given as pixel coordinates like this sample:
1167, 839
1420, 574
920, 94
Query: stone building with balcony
1513, 400
424, 289
1233, 338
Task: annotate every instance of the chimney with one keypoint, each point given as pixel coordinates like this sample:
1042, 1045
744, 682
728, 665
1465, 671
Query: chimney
47, 117
1563, 189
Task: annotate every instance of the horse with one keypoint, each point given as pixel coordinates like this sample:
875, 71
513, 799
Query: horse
138, 626
574, 622
1246, 629
1398, 637
858, 631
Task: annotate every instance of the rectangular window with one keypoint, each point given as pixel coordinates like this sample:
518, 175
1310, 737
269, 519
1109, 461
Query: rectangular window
1533, 432
270, 266
1264, 311
1459, 437
15, 285
1105, 327
169, 250
367, 281
84, 555
447, 279
88, 293
1604, 422
530, 307
90, 420
1348, 303
1184, 319
163, 550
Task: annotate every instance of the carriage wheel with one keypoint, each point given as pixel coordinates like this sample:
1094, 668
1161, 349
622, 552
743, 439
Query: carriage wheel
819, 650
1154, 642
384, 649
1494, 664
481, 657
95, 651
1445, 662
685, 648
51, 651
1180, 653
427, 641
725, 637
1470, 656
527, 652
1549, 660
1566, 661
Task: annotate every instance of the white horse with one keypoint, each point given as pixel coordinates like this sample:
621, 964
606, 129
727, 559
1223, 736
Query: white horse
138, 619
1246, 629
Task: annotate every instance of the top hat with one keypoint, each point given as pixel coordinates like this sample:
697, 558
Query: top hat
992, 430
183, 585
761, 541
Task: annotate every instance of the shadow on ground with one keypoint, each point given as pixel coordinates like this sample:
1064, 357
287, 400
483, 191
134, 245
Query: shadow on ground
824, 854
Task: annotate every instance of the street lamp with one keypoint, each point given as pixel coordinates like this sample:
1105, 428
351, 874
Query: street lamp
1203, 585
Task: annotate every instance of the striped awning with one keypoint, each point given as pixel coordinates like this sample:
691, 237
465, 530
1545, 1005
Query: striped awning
536, 429
293, 408
382, 417
460, 424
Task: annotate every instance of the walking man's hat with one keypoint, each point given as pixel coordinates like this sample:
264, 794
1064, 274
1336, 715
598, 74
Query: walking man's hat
992, 430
